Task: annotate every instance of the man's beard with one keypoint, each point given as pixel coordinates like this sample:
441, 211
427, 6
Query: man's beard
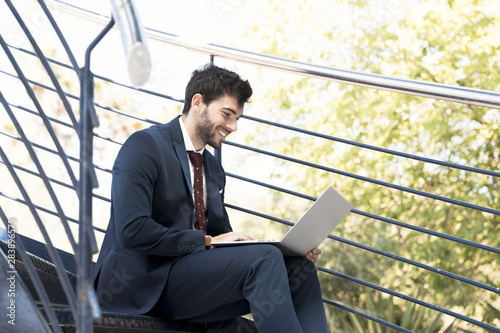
205, 130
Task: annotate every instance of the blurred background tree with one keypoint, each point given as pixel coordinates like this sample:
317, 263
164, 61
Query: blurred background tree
448, 42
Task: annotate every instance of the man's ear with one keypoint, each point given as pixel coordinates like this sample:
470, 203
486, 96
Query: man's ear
197, 103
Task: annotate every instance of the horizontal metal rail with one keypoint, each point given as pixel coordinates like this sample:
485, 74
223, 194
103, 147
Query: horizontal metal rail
60, 122
267, 122
36, 145
54, 255
385, 290
44, 62
97, 76
369, 180
43, 209
379, 252
36, 161
57, 182
328, 137
426, 89
375, 148
367, 316
411, 299
418, 264
373, 216
31, 94
427, 231
107, 108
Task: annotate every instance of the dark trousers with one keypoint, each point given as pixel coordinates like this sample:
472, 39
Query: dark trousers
283, 294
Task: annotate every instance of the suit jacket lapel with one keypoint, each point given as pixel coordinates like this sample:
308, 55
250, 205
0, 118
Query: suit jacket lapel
180, 150
211, 178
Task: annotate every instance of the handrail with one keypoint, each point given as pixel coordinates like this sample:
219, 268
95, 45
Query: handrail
457, 94
439, 91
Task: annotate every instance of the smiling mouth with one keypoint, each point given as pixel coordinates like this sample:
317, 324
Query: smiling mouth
223, 134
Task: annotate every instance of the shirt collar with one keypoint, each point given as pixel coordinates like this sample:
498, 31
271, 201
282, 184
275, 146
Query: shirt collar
187, 140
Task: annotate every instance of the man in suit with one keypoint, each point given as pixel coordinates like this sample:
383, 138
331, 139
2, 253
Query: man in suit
156, 257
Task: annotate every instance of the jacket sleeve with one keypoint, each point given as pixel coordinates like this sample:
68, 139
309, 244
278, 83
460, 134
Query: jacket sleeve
136, 172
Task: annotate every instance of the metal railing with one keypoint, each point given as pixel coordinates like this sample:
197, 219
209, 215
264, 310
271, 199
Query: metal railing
398, 85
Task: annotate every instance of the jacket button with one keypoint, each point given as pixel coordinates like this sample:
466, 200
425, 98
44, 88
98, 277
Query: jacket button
179, 248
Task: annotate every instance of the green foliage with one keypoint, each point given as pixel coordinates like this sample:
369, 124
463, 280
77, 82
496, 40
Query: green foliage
447, 42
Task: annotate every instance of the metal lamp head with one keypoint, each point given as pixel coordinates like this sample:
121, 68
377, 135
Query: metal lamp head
134, 40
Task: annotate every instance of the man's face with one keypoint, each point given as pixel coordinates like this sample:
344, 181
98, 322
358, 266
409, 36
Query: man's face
218, 120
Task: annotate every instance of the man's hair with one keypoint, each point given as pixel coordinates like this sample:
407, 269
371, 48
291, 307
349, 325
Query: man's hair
213, 82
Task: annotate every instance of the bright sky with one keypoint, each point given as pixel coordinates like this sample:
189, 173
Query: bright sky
214, 21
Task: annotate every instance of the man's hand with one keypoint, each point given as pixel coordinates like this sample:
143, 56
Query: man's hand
313, 256
232, 236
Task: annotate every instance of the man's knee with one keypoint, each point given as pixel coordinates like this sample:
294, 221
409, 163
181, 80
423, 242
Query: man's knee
267, 258
272, 251
267, 252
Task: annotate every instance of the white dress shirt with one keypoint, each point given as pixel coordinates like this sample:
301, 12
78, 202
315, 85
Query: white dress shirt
189, 146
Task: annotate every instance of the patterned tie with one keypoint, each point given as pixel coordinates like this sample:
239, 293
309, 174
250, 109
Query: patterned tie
199, 204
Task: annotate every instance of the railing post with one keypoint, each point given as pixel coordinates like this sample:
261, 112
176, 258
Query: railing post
88, 307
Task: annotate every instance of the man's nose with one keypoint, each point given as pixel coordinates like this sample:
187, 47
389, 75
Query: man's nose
233, 125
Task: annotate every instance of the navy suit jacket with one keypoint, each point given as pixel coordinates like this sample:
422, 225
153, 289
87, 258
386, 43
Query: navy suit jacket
152, 216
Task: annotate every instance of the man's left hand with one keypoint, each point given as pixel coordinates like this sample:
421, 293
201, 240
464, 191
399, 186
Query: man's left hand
313, 255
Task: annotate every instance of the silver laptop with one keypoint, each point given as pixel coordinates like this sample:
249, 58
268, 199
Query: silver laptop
312, 228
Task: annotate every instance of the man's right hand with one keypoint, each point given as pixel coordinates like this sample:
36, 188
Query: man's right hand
233, 236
